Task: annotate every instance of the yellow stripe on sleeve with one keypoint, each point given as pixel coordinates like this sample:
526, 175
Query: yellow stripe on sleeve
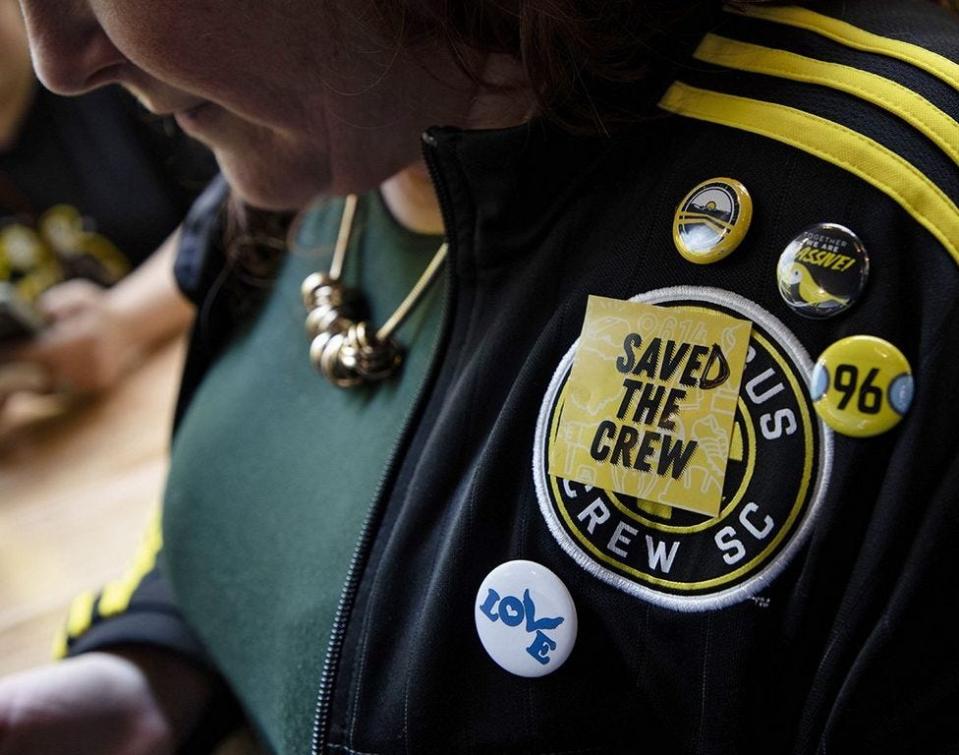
841, 146
912, 108
858, 39
81, 614
116, 595
60, 649
79, 619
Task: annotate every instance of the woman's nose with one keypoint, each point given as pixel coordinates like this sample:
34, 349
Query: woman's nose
71, 52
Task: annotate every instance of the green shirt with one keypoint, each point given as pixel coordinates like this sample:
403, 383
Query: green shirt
274, 469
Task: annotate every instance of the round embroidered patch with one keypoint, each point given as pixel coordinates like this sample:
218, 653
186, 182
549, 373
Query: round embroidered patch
776, 476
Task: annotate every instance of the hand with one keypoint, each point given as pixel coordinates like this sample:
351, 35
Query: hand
142, 701
86, 348
97, 334
22, 376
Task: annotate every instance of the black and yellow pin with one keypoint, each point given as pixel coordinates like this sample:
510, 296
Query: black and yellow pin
712, 220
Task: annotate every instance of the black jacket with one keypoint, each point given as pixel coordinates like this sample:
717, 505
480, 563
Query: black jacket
843, 645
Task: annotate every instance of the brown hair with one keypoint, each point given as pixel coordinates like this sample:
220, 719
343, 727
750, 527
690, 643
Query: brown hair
590, 64
587, 63
254, 242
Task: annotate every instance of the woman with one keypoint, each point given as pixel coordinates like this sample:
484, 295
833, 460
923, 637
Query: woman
797, 611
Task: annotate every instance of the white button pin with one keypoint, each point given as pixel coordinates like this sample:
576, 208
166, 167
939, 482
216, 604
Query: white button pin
525, 618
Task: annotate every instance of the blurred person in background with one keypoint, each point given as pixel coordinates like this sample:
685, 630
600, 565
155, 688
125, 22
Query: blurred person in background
91, 192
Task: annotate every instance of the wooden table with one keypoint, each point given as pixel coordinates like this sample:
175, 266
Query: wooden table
78, 483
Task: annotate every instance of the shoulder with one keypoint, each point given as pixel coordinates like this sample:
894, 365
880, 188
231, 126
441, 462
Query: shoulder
199, 256
869, 86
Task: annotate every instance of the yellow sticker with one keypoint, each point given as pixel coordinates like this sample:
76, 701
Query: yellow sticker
650, 403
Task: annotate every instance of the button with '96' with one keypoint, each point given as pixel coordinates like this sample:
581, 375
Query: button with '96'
862, 386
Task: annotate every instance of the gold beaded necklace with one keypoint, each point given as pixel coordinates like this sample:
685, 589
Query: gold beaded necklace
344, 348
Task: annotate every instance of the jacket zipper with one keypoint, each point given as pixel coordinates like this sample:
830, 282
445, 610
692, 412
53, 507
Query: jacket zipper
361, 551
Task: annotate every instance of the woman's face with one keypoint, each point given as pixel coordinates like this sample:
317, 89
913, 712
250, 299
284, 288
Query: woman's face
295, 97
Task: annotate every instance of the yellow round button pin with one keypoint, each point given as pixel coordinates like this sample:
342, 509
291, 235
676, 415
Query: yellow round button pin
712, 220
862, 386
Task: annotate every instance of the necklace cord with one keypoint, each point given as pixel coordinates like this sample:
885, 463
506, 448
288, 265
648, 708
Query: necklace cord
343, 237
413, 297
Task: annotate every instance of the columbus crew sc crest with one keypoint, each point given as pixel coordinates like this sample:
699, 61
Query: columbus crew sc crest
776, 477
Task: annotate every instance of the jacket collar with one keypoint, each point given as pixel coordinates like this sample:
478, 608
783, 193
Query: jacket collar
501, 190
